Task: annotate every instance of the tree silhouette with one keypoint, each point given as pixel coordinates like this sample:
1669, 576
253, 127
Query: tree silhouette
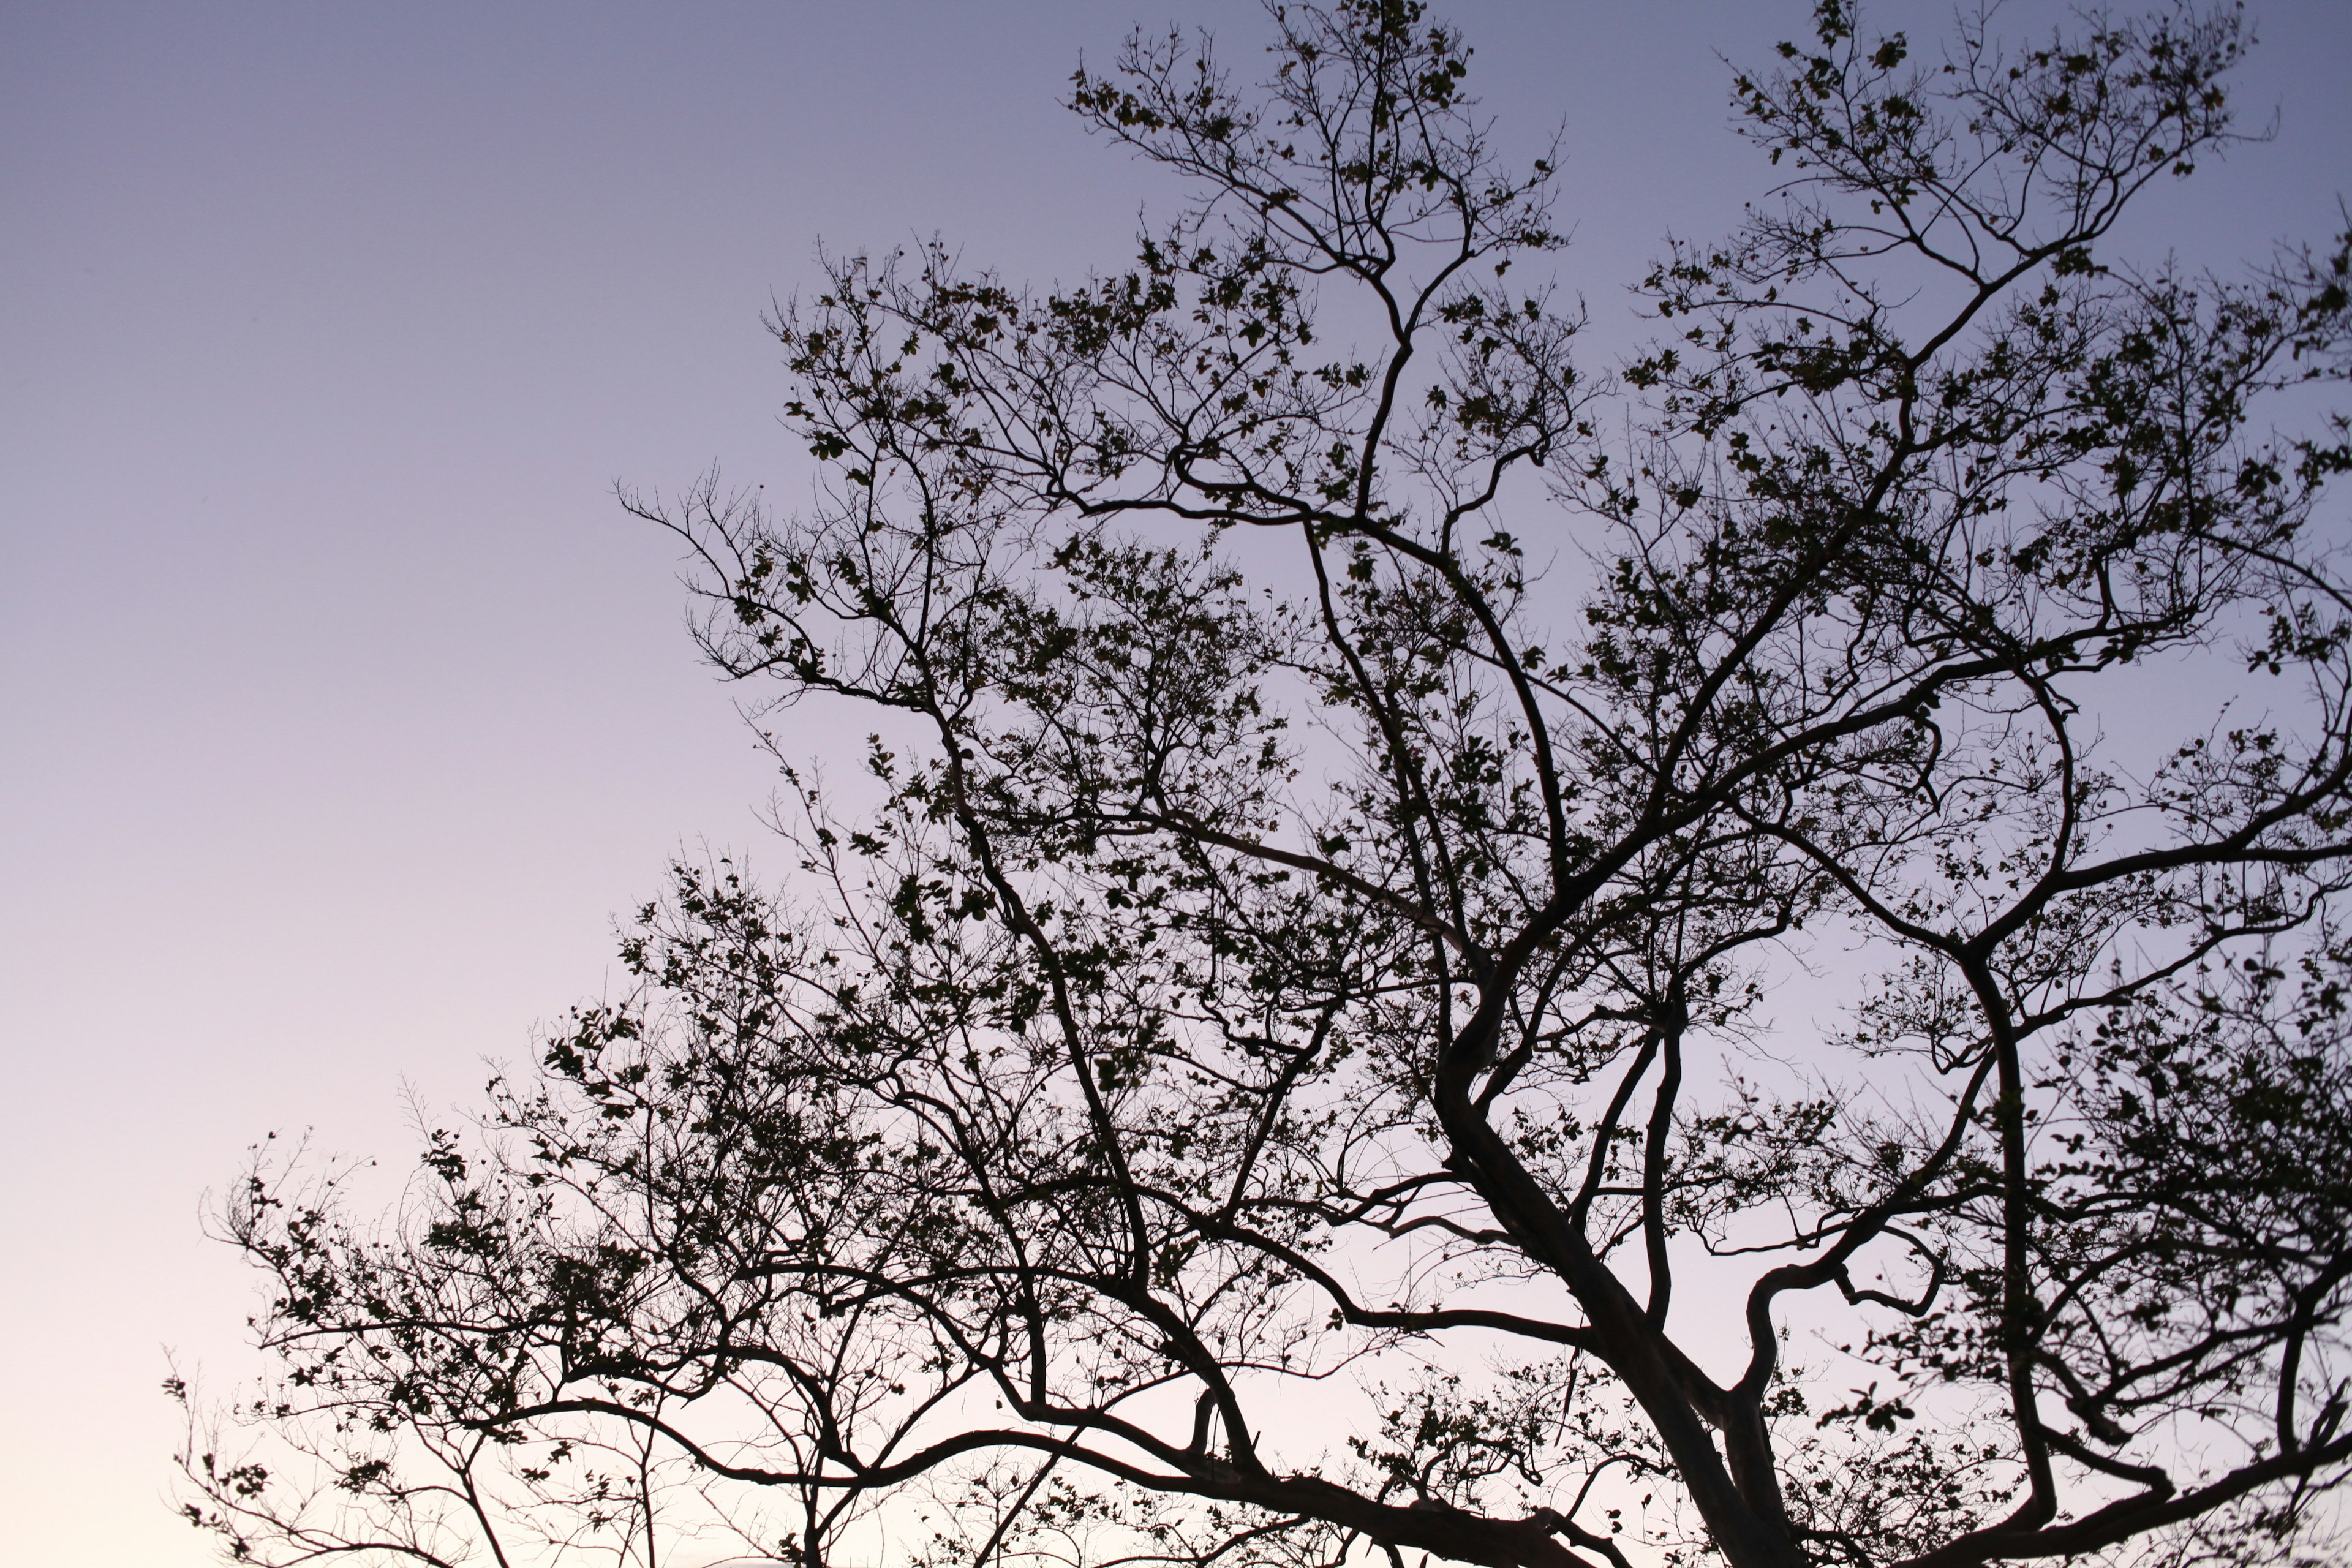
1785, 1007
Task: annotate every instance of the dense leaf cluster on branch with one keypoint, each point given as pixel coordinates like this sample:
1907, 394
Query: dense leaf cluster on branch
1789, 1007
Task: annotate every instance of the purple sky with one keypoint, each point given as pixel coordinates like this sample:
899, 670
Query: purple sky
342, 709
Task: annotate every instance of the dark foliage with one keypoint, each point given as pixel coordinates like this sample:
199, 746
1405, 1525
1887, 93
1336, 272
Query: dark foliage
1791, 1010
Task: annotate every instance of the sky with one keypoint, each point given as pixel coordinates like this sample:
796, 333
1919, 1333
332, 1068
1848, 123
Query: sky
341, 709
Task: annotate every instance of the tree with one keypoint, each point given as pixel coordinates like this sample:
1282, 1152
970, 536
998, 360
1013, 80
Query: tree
1789, 1009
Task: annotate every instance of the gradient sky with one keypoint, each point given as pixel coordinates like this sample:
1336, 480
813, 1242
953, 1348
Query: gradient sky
341, 709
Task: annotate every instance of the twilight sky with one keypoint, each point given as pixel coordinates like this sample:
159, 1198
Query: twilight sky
341, 709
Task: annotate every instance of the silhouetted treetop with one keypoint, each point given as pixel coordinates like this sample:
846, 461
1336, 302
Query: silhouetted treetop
1735, 958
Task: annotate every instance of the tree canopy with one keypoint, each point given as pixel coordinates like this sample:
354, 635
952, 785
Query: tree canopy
1735, 957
